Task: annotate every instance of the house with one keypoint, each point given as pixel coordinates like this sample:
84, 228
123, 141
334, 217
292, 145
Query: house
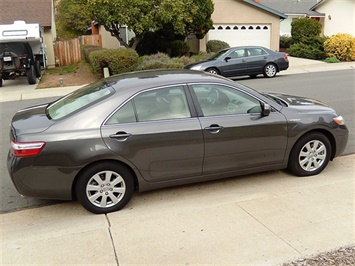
335, 16
32, 11
243, 22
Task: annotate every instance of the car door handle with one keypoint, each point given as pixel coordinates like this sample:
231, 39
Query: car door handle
121, 136
214, 129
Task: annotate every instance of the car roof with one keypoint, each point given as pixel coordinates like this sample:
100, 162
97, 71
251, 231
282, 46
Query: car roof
155, 78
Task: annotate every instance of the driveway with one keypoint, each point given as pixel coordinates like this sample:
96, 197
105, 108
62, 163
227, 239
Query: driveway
258, 219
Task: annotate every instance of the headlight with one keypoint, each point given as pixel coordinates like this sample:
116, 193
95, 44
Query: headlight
198, 67
339, 120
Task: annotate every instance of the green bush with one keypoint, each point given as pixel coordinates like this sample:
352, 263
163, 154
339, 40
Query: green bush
118, 61
340, 46
332, 60
87, 49
306, 51
285, 41
214, 46
158, 61
304, 28
179, 48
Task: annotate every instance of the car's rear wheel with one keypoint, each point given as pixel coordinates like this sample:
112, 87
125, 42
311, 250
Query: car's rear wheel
104, 187
213, 70
270, 70
310, 155
31, 75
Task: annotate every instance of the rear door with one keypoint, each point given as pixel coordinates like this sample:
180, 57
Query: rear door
236, 135
156, 133
256, 60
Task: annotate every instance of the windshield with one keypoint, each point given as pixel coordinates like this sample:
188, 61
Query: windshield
79, 100
218, 54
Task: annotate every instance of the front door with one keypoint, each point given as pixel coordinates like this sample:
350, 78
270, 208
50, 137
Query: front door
236, 135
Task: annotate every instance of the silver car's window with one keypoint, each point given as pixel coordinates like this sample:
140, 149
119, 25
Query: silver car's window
79, 99
222, 100
256, 51
159, 104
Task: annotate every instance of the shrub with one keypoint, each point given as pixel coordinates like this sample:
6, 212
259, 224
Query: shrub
87, 49
341, 46
332, 60
179, 48
304, 28
158, 61
304, 50
214, 46
117, 60
285, 41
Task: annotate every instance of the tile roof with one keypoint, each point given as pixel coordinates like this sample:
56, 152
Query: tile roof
299, 7
31, 11
266, 8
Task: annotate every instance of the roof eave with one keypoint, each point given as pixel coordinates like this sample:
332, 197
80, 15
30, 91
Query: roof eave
268, 9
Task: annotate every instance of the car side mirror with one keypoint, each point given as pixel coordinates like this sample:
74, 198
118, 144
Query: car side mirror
227, 58
266, 109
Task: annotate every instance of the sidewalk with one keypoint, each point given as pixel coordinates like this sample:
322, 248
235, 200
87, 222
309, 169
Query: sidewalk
27, 92
261, 219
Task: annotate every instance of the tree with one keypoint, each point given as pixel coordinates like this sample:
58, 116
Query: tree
142, 16
72, 18
305, 28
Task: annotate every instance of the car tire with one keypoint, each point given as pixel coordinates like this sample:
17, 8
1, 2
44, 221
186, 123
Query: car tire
310, 155
38, 69
0, 82
105, 187
31, 75
213, 70
270, 70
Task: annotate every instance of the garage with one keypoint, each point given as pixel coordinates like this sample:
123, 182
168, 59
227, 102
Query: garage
242, 34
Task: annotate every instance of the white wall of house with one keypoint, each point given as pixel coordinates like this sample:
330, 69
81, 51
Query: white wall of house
339, 16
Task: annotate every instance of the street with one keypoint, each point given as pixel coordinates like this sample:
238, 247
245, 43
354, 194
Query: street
335, 88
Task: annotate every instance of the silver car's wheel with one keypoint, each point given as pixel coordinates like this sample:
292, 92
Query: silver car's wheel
270, 71
105, 187
310, 155
212, 71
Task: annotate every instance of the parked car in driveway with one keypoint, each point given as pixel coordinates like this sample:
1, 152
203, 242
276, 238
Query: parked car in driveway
154, 129
244, 61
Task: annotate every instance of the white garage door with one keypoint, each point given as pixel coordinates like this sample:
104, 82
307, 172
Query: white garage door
242, 34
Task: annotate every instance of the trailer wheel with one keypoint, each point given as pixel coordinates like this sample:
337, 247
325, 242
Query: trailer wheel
31, 75
38, 69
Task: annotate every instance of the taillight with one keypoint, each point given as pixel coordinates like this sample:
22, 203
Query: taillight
285, 56
25, 149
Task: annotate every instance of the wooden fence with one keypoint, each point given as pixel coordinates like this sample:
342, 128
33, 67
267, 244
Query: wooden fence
68, 52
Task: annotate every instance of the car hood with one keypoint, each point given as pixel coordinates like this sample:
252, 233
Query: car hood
198, 63
302, 104
30, 120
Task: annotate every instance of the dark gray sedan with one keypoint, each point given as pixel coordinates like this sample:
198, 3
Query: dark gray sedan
244, 61
154, 129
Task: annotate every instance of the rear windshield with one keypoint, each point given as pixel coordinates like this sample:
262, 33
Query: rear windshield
79, 99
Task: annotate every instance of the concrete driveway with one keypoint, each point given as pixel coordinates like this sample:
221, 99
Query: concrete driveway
262, 219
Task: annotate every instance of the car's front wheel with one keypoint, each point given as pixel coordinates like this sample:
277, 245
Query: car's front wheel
270, 70
104, 187
310, 155
213, 70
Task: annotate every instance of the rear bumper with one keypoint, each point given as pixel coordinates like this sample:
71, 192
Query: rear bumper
39, 182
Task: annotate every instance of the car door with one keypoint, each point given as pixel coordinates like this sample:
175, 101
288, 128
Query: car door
155, 133
236, 135
234, 63
256, 60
